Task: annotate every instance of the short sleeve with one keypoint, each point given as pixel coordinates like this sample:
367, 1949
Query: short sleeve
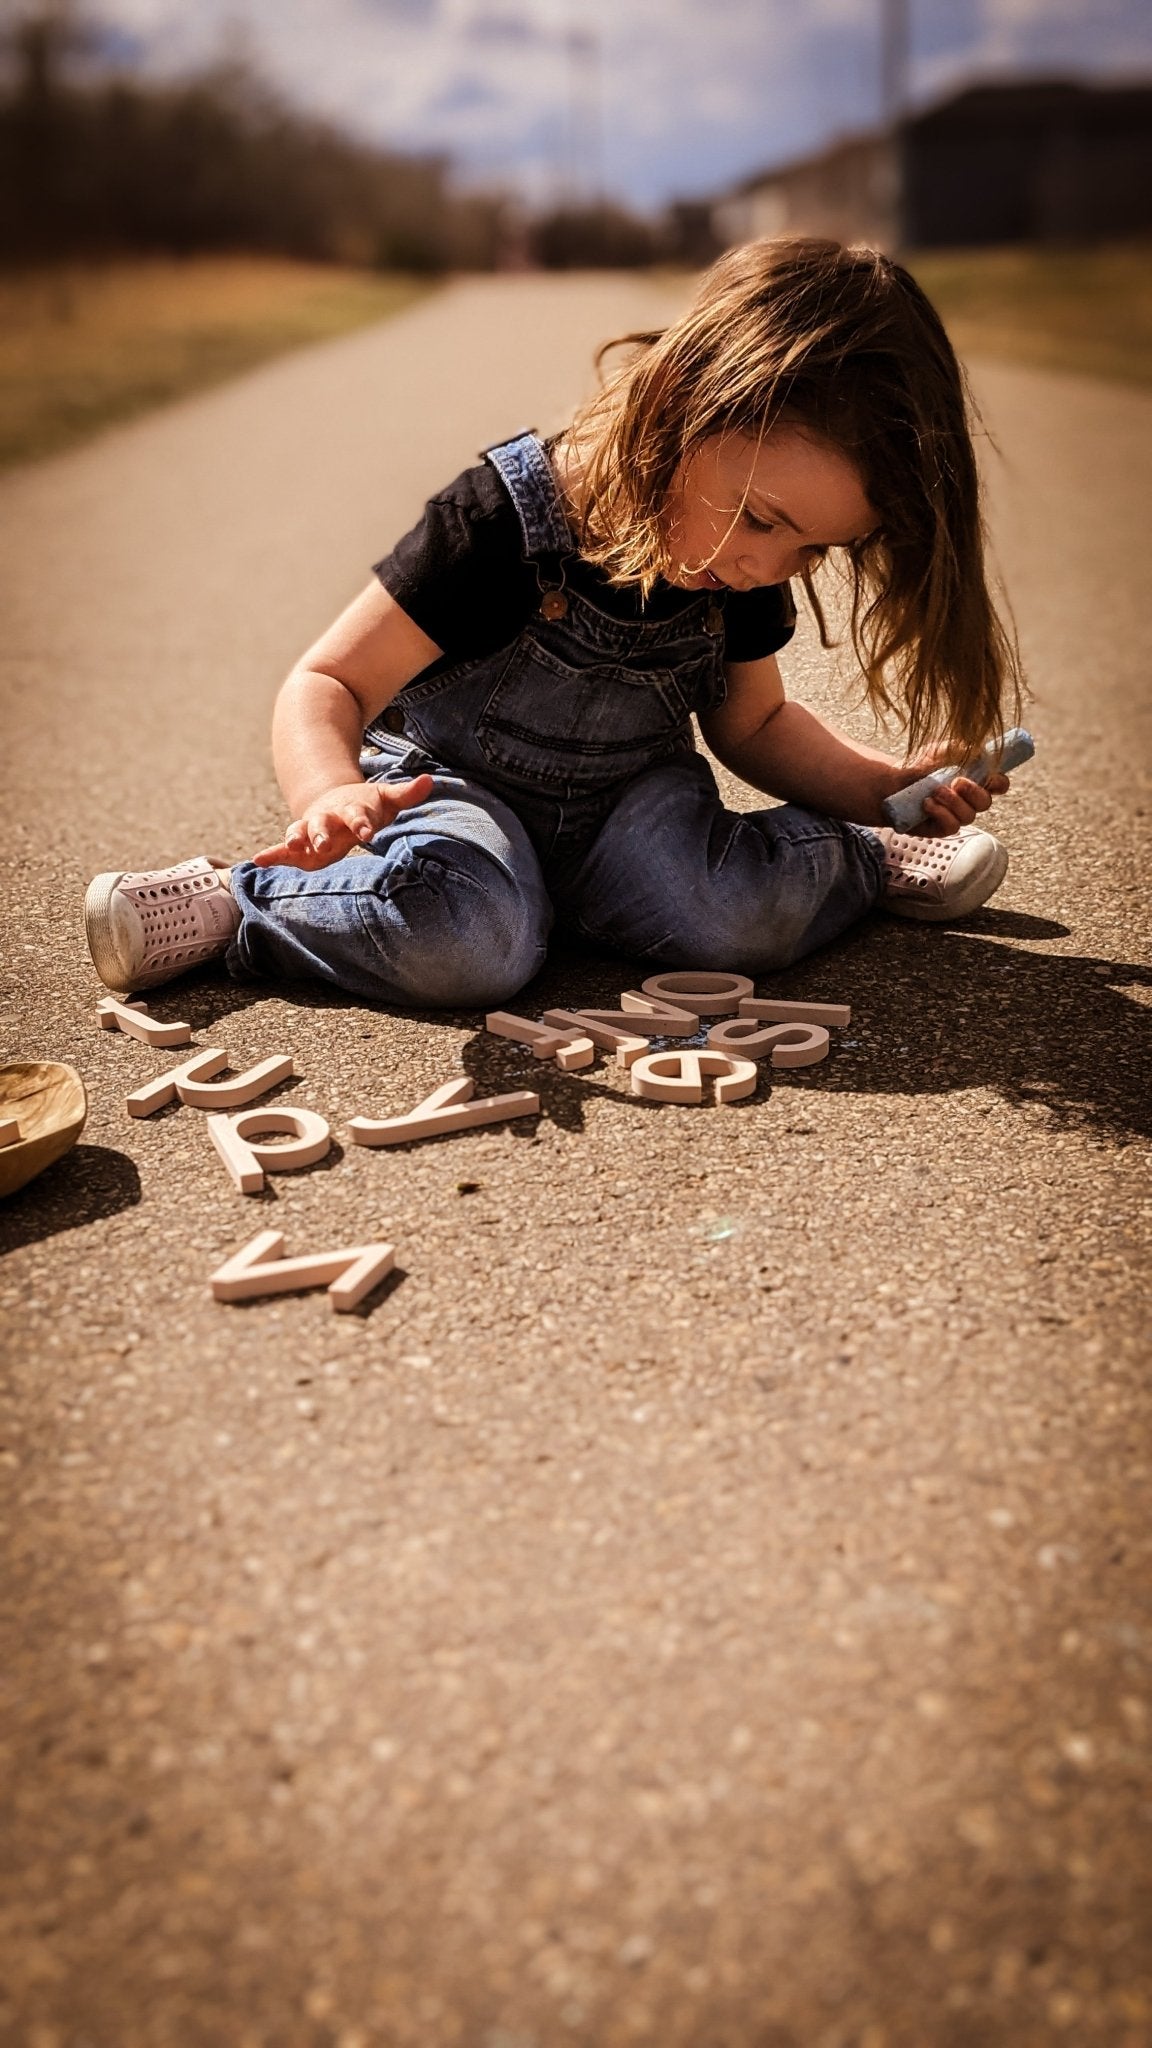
459, 574
758, 622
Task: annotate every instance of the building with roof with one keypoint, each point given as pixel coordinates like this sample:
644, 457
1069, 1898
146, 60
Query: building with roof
1046, 161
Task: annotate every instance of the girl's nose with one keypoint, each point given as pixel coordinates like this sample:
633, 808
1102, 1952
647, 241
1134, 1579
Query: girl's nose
772, 564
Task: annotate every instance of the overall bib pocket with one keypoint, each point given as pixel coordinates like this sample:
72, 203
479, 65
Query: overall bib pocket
575, 730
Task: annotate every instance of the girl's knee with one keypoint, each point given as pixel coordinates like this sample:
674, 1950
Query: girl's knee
460, 931
761, 915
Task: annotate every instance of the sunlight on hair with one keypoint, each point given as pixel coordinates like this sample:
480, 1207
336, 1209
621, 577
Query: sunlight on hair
842, 343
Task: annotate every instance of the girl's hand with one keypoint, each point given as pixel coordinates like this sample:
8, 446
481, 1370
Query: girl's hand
340, 819
954, 803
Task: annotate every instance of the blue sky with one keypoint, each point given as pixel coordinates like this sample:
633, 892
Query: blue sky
647, 99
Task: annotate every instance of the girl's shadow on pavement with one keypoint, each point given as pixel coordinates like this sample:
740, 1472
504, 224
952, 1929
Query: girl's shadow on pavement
934, 1009
960, 1012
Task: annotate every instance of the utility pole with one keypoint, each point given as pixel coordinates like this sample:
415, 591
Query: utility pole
584, 177
894, 37
595, 82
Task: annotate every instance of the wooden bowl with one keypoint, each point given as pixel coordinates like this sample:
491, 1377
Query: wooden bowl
48, 1102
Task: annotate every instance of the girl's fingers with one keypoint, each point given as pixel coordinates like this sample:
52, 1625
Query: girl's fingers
943, 811
938, 820
298, 851
973, 794
325, 836
359, 826
286, 856
329, 836
947, 812
400, 796
956, 803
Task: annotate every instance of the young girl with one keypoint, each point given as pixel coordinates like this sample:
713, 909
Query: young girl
497, 733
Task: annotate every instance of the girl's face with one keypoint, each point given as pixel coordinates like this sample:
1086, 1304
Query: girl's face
799, 496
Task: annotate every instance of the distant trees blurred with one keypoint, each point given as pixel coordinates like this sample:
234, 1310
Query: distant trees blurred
605, 236
91, 167
609, 237
95, 162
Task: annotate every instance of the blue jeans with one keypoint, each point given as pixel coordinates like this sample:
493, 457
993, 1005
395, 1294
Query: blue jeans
452, 904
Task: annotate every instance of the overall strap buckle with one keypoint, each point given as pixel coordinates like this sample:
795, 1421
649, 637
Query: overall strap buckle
526, 473
553, 603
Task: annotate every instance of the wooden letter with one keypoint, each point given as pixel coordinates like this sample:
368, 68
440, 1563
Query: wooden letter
567, 1048
244, 1088
133, 1019
679, 1076
574, 1054
157, 1094
708, 995
791, 1045
246, 1162
638, 1016
795, 1013
257, 1268
9, 1131
449, 1108
625, 1046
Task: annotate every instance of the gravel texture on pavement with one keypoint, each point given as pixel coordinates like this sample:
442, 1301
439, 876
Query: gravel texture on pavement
701, 1600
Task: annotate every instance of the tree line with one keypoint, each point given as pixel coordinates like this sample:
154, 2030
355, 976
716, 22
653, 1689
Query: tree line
109, 165
94, 165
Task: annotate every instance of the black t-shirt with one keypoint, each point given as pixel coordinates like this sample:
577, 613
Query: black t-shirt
461, 575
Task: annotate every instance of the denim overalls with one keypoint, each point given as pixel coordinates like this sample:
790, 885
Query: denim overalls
567, 784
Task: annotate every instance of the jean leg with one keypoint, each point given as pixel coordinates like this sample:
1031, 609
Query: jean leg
446, 907
674, 877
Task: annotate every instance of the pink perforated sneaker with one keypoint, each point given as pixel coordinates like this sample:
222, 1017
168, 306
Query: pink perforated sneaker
146, 928
941, 878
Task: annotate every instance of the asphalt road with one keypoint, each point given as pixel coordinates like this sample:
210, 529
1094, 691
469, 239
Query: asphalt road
703, 1600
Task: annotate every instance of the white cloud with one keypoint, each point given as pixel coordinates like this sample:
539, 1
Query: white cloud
687, 95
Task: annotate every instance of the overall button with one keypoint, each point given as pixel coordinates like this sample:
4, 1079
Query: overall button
714, 619
554, 605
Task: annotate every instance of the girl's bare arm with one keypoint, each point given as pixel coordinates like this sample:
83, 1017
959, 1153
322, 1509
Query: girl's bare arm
336, 688
787, 751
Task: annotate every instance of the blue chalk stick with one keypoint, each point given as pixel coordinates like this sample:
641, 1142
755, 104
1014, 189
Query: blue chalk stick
905, 810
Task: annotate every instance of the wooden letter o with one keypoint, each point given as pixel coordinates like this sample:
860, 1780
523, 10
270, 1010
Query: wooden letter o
705, 994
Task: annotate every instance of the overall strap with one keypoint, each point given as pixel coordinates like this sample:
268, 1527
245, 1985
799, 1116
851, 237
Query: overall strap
525, 471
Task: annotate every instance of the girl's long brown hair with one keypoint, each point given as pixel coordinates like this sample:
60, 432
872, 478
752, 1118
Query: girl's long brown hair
843, 344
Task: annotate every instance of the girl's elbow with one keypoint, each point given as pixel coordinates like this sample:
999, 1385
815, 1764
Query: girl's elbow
308, 686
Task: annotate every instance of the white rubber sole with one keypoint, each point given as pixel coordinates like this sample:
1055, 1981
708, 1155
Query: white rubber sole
972, 895
106, 956
127, 950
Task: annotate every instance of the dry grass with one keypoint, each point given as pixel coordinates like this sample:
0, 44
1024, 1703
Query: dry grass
1088, 310
84, 345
